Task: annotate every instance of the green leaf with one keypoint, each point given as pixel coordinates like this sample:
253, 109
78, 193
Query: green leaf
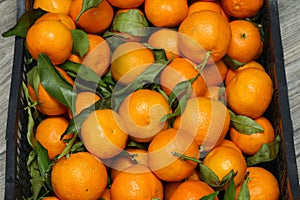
229, 176
114, 39
108, 79
267, 152
87, 79
159, 54
108, 34
37, 183
44, 163
184, 157
209, 177
244, 124
133, 144
149, 75
77, 121
22, 26
69, 146
222, 91
80, 42
36, 180
181, 91
244, 192
211, 196
83, 72
42, 158
33, 78
53, 83
132, 22
31, 158
230, 190
30, 124
77, 147
234, 64
201, 66
157, 88
86, 5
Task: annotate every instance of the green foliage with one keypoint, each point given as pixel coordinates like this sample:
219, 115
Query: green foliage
86, 5
132, 22
244, 124
23, 24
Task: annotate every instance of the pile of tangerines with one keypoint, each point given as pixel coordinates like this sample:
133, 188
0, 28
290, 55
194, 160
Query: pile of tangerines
148, 99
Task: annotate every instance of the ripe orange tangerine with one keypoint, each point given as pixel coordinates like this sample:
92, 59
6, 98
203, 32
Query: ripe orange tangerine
103, 133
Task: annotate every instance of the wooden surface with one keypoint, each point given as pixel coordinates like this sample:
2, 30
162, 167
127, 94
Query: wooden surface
289, 12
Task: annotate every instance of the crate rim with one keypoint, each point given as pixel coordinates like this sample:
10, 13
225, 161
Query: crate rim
14, 97
283, 98
13, 112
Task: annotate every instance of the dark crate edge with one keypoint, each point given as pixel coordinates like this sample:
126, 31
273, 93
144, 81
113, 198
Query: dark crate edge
284, 102
13, 110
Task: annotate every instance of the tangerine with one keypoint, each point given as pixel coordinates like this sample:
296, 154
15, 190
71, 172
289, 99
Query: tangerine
181, 70
261, 184
95, 20
52, 38
250, 92
49, 132
215, 73
251, 143
103, 133
207, 5
131, 157
192, 190
222, 159
166, 39
129, 60
241, 8
47, 104
231, 72
162, 159
206, 119
84, 100
98, 56
79, 176
167, 13
63, 18
142, 112
204, 31
53, 6
127, 3
136, 183
245, 43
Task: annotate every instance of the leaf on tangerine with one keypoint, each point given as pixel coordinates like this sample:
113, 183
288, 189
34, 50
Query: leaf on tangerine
230, 190
23, 24
132, 22
80, 42
267, 152
53, 83
244, 124
86, 5
211, 196
234, 64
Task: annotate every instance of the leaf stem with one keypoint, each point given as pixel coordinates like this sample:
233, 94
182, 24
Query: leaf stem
184, 157
69, 146
30, 125
203, 64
